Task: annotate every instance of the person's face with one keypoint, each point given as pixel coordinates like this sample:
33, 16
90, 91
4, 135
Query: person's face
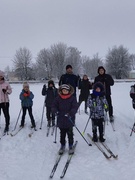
50, 85
101, 71
65, 91
85, 77
98, 89
69, 70
26, 88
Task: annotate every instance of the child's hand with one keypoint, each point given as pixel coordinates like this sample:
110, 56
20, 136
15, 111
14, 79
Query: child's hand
26, 94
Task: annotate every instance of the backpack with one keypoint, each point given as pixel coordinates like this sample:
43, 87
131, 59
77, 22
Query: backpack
132, 95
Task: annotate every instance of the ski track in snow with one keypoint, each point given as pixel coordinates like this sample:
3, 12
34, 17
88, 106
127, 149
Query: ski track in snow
25, 158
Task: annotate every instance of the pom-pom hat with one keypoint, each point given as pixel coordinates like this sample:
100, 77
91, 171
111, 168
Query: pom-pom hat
25, 84
65, 86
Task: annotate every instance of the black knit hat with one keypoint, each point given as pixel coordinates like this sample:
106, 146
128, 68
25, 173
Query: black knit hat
68, 66
101, 67
50, 82
98, 85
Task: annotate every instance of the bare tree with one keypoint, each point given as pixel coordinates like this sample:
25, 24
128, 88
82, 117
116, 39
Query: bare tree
58, 54
45, 64
118, 62
132, 60
73, 57
91, 65
22, 64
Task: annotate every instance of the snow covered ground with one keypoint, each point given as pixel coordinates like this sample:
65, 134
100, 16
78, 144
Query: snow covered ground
25, 158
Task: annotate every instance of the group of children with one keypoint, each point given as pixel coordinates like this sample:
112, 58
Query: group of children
61, 103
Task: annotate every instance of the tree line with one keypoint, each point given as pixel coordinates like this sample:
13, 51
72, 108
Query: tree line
51, 62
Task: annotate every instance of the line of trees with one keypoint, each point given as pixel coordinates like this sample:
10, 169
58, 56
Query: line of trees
51, 62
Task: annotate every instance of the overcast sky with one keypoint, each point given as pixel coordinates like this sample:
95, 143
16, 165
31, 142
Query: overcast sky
92, 26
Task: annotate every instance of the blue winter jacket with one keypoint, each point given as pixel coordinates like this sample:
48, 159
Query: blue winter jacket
26, 101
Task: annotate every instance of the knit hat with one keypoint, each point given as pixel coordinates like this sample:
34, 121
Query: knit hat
25, 84
101, 67
50, 82
68, 66
65, 86
1, 73
98, 85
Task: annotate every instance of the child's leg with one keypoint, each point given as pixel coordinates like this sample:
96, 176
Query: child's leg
5, 109
31, 117
101, 130
70, 136
48, 115
62, 136
23, 115
53, 119
94, 130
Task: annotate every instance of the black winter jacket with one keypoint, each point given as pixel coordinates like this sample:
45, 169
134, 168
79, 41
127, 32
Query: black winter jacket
107, 81
51, 93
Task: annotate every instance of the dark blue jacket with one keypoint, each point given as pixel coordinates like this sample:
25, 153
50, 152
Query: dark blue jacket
63, 107
26, 101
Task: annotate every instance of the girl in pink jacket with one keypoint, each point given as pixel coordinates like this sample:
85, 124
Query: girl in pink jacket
5, 90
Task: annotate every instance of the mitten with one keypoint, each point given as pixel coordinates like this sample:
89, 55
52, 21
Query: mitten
4, 90
106, 107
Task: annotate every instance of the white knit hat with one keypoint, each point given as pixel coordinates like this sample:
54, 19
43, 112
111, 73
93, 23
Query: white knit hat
25, 84
65, 86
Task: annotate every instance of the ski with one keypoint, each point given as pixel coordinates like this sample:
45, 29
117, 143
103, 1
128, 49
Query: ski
32, 132
109, 150
68, 161
4, 134
56, 164
100, 148
15, 132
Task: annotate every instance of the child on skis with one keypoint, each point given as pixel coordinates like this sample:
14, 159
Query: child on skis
5, 90
97, 103
26, 97
50, 93
65, 105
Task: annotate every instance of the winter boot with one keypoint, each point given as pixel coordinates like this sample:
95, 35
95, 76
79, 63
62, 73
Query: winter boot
71, 149
111, 119
101, 138
95, 139
6, 129
62, 149
22, 124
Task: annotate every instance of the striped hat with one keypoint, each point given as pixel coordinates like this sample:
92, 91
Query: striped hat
65, 86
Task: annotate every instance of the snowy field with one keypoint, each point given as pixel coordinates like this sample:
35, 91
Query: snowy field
25, 158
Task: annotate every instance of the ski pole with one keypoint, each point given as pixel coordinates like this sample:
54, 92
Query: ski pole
55, 134
42, 115
80, 132
17, 119
133, 128
86, 125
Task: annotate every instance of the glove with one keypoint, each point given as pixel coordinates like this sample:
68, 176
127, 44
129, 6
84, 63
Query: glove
4, 90
66, 115
26, 94
106, 107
